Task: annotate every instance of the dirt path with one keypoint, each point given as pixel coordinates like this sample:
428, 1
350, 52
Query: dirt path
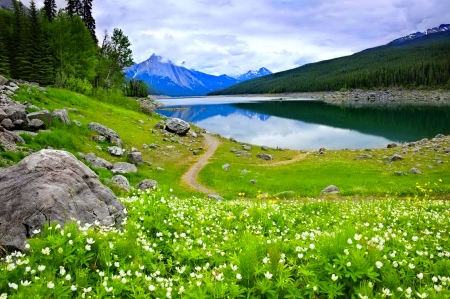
280, 163
190, 177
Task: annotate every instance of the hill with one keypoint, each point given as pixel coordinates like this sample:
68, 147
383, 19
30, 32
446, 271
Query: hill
415, 63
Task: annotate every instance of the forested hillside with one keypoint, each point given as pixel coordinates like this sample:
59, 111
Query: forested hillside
60, 48
419, 63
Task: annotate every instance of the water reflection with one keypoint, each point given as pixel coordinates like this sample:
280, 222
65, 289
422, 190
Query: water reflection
310, 124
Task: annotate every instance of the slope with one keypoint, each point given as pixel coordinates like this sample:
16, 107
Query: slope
419, 62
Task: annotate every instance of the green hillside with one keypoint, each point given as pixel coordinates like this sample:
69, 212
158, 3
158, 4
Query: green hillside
423, 62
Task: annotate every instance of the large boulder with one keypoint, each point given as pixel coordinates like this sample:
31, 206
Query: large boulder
3, 115
51, 186
332, 189
16, 112
116, 151
103, 130
123, 167
36, 125
265, 157
62, 115
147, 184
177, 126
7, 124
43, 115
3, 80
120, 182
135, 158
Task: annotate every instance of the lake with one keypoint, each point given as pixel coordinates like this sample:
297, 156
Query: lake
307, 124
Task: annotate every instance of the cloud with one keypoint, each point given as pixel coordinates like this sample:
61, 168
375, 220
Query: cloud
234, 36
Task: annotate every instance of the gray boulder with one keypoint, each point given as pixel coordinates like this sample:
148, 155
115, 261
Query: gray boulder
400, 173
135, 158
97, 162
264, 148
147, 184
3, 81
177, 126
77, 123
20, 124
415, 171
265, 157
117, 141
3, 115
226, 167
16, 112
246, 147
396, 157
7, 124
123, 168
51, 186
332, 189
116, 151
120, 182
36, 125
391, 145
363, 157
43, 115
99, 138
215, 197
62, 115
103, 130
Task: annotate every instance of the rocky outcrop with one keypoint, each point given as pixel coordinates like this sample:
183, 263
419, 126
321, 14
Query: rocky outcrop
62, 115
97, 162
123, 168
43, 115
103, 130
177, 126
51, 186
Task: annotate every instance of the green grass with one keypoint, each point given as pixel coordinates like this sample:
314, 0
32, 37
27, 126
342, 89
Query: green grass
307, 177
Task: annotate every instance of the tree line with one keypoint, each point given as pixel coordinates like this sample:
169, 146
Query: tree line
60, 48
421, 63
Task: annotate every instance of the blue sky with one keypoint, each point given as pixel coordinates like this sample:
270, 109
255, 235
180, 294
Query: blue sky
234, 36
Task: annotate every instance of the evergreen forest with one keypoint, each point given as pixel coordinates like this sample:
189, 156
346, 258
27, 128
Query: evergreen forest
416, 64
60, 48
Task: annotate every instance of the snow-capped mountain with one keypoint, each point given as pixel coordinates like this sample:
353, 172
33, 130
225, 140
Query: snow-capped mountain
166, 78
6, 4
253, 74
441, 28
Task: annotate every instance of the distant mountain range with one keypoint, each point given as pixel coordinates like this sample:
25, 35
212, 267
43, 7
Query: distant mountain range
166, 78
418, 60
8, 5
441, 28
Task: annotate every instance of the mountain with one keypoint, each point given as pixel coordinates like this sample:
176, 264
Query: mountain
166, 78
8, 5
421, 62
441, 28
253, 74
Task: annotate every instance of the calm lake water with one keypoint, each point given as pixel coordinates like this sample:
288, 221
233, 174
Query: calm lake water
309, 125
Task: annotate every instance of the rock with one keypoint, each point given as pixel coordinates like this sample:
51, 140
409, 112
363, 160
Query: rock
447, 150
215, 196
7, 124
9, 137
117, 141
81, 155
141, 122
120, 182
99, 138
415, 171
264, 148
3, 115
16, 112
133, 149
253, 181
77, 123
98, 147
20, 124
160, 169
43, 115
153, 145
400, 173
439, 136
245, 171
51, 186
42, 89
363, 157
177, 126
135, 158
195, 152
147, 184
396, 157
116, 151
332, 189
3, 81
232, 139
193, 134
246, 147
159, 126
103, 130
391, 145
265, 157
36, 125
123, 167
97, 162
145, 146
62, 115
226, 167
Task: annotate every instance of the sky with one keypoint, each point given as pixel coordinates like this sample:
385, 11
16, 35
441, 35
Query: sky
234, 36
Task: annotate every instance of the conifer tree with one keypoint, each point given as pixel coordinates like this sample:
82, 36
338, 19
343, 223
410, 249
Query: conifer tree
18, 61
50, 9
88, 19
4, 42
74, 7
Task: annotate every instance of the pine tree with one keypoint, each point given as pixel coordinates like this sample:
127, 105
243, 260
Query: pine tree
74, 7
4, 38
88, 19
50, 9
18, 62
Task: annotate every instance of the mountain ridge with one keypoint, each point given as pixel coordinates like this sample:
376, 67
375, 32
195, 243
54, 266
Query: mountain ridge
164, 77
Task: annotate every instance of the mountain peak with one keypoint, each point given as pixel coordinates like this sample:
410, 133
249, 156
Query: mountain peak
157, 58
441, 28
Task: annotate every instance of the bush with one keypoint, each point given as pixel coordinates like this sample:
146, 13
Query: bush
115, 97
78, 85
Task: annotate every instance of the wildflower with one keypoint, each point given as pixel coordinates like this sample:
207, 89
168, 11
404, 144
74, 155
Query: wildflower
265, 260
349, 264
60, 250
181, 290
379, 264
10, 267
437, 288
349, 241
27, 246
46, 251
334, 277
408, 291
415, 238
424, 295
411, 266
73, 288
311, 246
238, 276
420, 276
25, 283
386, 292
62, 270
13, 285
268, 275
3, 296
41, 268
87, 247
434, 279
151, 288
68, 277
300, 255
50, 285
36, 231
199, 283
108, 290
90, 241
